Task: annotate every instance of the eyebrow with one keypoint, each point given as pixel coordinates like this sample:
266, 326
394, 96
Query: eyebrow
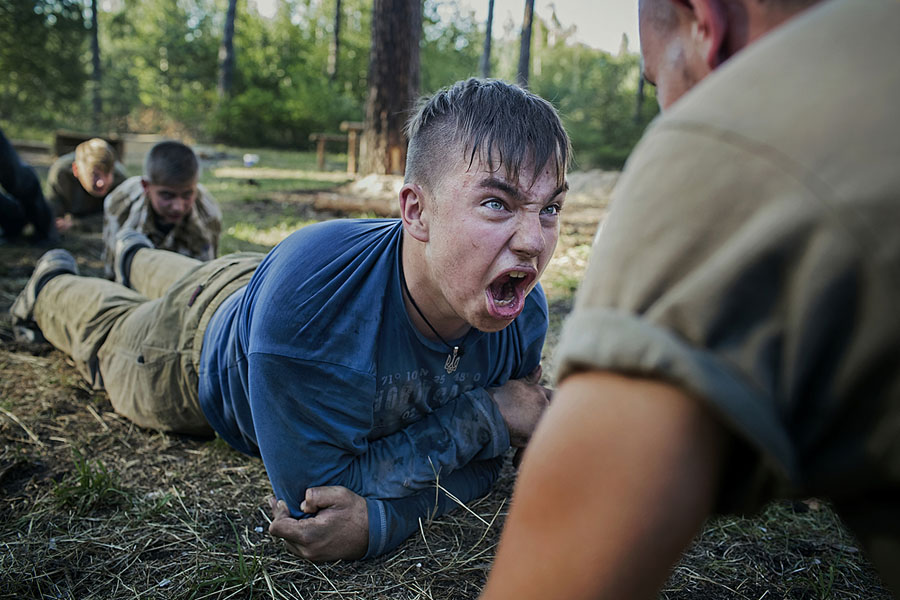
511, 190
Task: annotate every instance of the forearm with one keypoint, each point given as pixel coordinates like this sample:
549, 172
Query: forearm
331, 426
617, 480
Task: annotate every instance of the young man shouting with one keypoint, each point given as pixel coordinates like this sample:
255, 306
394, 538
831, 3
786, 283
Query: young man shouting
364, 361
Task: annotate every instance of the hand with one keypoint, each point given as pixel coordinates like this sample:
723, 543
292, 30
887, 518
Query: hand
63, 224
339, 529
521, 402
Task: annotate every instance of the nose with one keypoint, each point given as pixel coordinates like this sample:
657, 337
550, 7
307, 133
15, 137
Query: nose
528, 239
179, 206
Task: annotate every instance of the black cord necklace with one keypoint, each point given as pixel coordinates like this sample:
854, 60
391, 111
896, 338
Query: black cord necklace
456, 352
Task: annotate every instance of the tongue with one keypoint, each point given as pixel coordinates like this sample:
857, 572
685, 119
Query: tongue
504, 291
504, 299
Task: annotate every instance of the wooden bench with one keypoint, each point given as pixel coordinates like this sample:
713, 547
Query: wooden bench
320, 139
353, 129
65, 141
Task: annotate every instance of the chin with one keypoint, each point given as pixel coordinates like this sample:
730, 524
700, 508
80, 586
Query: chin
491, 324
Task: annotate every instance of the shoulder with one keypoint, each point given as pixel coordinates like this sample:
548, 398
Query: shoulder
123, 197
60, 167
339, 236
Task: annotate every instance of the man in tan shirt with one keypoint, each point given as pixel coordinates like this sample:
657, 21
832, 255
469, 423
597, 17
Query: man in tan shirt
736, 337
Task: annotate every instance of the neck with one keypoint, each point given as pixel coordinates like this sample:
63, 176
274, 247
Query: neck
427, 297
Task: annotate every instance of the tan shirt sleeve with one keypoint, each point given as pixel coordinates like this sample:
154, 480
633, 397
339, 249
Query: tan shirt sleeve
729, 271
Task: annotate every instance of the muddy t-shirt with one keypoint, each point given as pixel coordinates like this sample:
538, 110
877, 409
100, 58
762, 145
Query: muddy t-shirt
316, 367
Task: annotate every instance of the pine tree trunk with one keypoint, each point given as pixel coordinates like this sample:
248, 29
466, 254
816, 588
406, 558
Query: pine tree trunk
96, 75
226, 53
525, 46
639, 100
334, 50
393, 84
486, 55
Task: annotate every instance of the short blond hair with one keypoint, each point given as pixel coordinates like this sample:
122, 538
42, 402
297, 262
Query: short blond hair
93, 154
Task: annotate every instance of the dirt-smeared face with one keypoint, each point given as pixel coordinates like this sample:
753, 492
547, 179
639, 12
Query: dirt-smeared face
171, 203
489, 240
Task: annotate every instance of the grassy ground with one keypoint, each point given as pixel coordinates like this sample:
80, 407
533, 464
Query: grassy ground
93, 507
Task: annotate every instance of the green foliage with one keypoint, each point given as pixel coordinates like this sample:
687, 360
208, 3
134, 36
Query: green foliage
281, 92
596, 95
41, 41
90, 486
160, 66
451, 45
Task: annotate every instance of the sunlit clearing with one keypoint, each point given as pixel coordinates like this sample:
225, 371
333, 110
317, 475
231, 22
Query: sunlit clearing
268, 236
270, 173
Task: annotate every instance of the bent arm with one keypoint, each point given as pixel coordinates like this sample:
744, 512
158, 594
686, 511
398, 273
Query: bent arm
317, 434
619, 477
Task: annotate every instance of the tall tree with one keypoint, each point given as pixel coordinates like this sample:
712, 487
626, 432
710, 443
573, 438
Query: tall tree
525, 45
393, 84
334, 50
96, 75
639, 98
486, 55
226, 53
42, 41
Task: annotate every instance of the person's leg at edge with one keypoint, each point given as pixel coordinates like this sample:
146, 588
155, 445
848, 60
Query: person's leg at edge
22, 184
12, 217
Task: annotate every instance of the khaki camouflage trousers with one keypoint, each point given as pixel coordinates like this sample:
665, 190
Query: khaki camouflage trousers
143, 345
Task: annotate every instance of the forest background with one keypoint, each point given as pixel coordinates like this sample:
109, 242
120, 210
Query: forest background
158, 69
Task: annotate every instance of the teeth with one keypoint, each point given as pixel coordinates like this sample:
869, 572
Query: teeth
517, 274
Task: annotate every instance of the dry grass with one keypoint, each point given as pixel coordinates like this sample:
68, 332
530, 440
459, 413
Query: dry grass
93, 507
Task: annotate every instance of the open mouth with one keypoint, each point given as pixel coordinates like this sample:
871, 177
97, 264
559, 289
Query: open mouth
506, 294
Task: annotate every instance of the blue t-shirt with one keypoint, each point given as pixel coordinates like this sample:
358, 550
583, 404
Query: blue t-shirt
316, 367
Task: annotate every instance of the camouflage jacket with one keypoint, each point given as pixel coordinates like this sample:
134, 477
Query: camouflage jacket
197, 235
67, 196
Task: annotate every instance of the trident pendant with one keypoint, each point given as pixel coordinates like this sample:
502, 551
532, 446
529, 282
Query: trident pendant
452, 361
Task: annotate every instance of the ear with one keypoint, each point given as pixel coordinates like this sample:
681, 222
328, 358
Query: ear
75, 169
412, 211
709, 30
145, 184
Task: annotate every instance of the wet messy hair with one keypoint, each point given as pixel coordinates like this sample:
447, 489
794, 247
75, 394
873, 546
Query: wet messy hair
170, 163
498, 124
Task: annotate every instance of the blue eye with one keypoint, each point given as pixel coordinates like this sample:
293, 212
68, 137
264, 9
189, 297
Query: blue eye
553, 209
494, 204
